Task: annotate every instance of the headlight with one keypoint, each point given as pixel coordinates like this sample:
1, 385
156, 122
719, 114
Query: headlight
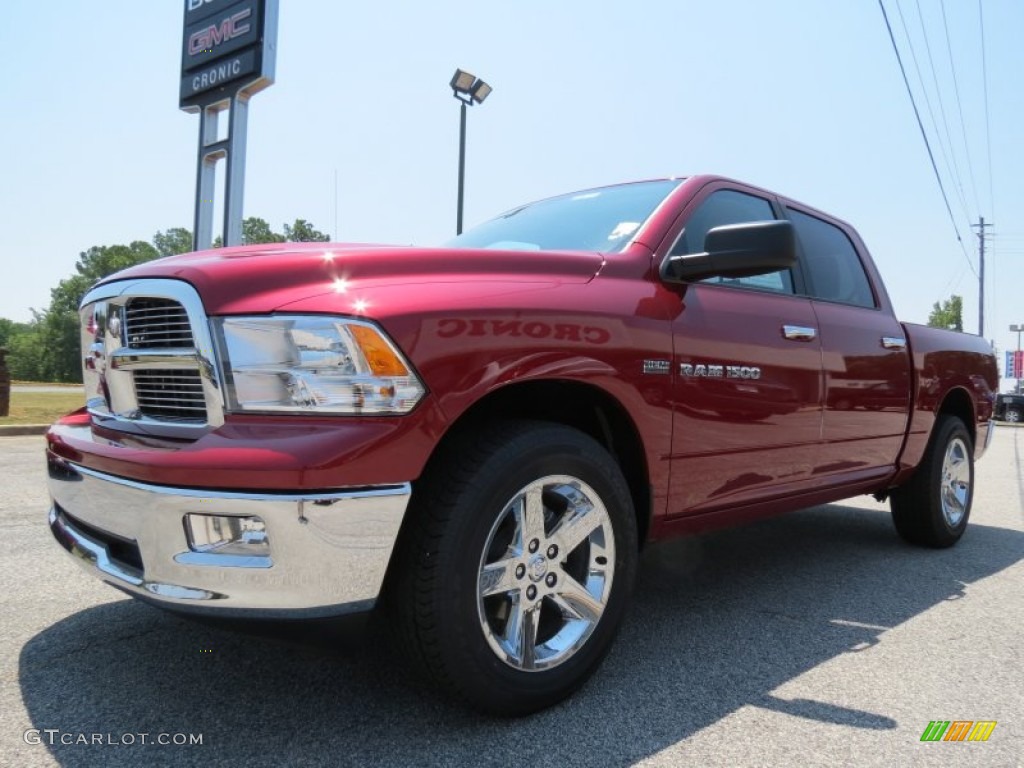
313, 364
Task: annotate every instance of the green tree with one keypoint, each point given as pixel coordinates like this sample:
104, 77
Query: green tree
60, 340
173, 241
56, 330
95, 264
256, 230
304, 232
24, 361
13, 339
9, 329
68, 293
950, 314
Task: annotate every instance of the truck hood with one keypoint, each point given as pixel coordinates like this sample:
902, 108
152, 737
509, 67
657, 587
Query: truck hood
264, 278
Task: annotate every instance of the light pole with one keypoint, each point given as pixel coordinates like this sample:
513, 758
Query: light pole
1016, 360
469, 90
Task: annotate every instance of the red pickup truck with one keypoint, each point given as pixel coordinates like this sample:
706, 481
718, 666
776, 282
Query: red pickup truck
481, 437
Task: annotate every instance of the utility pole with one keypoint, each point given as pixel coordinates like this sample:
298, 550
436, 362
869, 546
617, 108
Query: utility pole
981, 273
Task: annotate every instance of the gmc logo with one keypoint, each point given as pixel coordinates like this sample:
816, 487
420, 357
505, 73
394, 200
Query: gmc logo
207, 39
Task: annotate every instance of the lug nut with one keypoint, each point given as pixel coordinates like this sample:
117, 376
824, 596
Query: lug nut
520, 571
531, 592
534, 546
551, 579
552, 551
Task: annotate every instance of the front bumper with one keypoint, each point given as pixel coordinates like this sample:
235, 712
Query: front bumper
327, 555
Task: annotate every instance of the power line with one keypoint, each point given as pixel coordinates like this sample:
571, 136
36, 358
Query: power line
959, 107
951, 160
927, 100
924, 135
953, 283
988, 133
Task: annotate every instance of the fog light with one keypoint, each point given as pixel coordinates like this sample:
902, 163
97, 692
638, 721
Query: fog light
223, 535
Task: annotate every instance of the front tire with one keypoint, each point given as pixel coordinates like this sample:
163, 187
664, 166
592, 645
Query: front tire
516, 568
1012, 415
932, 509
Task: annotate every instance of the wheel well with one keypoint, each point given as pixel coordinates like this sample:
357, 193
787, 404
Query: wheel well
582, 407
958, 403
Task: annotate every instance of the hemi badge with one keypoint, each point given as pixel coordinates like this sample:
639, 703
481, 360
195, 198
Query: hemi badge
657, 366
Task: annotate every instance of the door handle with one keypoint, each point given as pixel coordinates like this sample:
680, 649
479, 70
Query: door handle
893, 342
799, 332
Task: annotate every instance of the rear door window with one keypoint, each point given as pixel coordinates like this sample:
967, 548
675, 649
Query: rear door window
833, 268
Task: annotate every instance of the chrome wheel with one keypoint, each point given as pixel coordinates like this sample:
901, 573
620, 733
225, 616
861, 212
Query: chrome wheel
545, 573
956, 482
933, 507
1012, 415
514, 574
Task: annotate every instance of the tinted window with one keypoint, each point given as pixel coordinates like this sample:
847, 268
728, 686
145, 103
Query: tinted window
730, 207
833, 267
595, 220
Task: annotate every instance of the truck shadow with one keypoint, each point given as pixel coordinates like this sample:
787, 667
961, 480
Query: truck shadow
719, 622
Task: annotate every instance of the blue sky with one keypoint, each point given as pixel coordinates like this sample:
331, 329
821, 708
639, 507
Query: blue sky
803, 97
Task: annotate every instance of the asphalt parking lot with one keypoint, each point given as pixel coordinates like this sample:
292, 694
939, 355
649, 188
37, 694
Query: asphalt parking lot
814, 639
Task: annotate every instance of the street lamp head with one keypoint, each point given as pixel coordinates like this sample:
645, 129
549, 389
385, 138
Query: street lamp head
462, 82
468, 89
481, 91
1017, 328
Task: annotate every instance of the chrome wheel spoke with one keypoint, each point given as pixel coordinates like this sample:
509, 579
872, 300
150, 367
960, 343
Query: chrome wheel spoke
576, 602
957, 468
526, 640
514, 628
531, 516
498, 577
576, 528
520, 637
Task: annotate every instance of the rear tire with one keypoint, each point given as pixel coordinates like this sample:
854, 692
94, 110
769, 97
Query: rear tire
933, 508
516, 565
1012, 415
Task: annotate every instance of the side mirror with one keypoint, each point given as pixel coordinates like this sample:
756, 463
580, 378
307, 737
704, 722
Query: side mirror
737, 250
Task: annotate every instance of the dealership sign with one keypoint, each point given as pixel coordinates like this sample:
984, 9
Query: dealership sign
1014, 365
228, 46
227, 54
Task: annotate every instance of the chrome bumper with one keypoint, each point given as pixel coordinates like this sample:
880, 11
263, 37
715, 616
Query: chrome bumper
327, 553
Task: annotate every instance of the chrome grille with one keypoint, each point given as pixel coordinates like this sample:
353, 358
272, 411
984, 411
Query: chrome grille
154, 323
148, 364
170, 395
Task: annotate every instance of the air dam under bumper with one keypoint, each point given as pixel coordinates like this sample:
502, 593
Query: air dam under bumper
327, 552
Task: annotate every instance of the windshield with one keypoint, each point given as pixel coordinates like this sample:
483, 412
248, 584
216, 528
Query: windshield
602, 220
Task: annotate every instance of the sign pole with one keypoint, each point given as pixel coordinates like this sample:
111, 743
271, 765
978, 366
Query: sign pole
234, 188
206, 177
